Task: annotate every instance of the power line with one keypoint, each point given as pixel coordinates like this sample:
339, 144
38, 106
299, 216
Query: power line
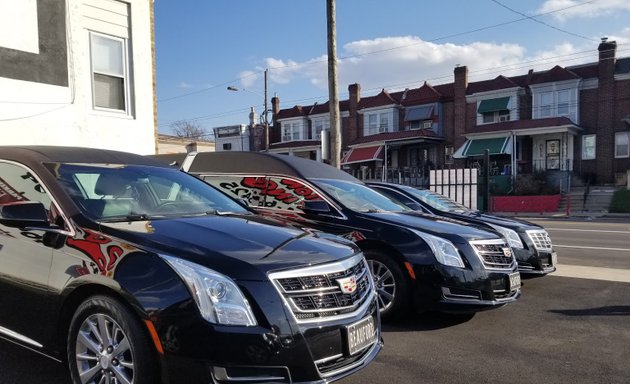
313, 62
533, 18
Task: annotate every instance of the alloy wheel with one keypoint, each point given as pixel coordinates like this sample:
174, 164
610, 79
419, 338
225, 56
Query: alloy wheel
385, 284
103, 352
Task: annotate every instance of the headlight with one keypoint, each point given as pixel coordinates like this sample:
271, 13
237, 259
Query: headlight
512, 237
445, 252
219, 299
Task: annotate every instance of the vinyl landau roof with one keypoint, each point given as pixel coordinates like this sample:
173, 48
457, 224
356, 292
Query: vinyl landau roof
56, 154
264, 163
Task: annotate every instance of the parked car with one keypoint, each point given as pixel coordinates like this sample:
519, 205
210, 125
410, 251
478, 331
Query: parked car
530, 242
417, 261
134, 272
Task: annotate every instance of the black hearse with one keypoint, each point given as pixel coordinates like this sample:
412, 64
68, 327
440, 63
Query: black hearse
427, 262
530, 242
133, 272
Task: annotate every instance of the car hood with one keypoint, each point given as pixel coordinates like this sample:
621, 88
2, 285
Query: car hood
242, 247
453, 230
482, 218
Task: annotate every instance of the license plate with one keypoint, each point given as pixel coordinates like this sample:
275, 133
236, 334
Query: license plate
515, 280
554, 259
360, 335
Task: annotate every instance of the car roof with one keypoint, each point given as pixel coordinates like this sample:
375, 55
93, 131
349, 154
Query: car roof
31, 155
265, 163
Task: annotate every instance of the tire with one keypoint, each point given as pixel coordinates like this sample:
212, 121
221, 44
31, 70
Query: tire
122, 355
392, 286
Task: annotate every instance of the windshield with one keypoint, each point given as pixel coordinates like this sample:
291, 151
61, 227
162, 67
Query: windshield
437, 201
131, 192
359, 197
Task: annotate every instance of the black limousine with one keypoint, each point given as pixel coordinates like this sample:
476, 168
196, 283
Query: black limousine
530, 242
133, 272
417, 261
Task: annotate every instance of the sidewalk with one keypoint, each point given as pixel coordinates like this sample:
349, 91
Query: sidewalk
578, 215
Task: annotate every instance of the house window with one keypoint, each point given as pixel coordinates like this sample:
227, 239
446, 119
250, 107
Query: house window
291, 131
588, 147
622, 144
227, 146
320, 125
495, 117
563, 103
110, 81
448, 154
376, 123
421, 124
384, 123
546, 101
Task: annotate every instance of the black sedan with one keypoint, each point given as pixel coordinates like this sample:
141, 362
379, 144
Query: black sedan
132, 272
418, 261
530, 242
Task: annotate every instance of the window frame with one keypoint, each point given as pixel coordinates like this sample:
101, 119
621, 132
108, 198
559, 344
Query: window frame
617, 145
126, 78
546, 108
584, 155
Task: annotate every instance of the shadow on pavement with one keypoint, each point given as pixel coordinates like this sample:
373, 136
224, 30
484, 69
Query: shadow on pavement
426, 321
612, 310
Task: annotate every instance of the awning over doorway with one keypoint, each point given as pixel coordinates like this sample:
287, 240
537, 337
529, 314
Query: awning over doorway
359, 155
493, 105
475, 147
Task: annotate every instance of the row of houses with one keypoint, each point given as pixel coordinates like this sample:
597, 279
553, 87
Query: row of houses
571, 119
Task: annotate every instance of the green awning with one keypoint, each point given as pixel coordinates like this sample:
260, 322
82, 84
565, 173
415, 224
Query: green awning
475, 147
493, 105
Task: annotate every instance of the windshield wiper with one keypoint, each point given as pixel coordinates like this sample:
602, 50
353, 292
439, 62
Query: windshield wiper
129, 218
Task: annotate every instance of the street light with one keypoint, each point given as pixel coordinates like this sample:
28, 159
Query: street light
266, 121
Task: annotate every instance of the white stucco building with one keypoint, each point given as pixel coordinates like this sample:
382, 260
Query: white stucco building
78, 73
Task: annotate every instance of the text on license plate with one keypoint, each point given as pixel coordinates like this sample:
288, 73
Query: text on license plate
515, 281
360, 335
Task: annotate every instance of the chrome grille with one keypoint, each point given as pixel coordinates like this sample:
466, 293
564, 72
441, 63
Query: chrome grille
495, 254
315, 293
541, 239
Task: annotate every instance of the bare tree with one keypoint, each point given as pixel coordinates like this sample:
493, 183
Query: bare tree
188, 129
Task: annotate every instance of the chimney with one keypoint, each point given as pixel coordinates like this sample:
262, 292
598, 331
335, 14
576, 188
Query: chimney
606, 65
354, 98
459, 107
253, 119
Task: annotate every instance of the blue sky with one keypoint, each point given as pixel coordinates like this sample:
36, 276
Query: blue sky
204, 46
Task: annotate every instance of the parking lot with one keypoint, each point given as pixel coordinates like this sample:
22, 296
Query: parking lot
569, 327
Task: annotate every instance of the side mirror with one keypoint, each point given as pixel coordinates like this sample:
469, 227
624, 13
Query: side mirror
25, 214
315, 207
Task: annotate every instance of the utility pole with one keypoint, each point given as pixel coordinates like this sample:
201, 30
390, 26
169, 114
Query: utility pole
333, 97
266, 131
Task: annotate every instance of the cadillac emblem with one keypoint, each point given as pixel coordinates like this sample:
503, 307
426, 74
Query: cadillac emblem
348, 284
507, 251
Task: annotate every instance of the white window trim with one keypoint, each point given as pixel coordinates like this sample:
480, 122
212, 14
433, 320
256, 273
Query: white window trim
126, 75
378, 128
620, 134
583, 147
293, 128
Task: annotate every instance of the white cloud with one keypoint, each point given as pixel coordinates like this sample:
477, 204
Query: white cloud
582, 9
184, 85
395, 63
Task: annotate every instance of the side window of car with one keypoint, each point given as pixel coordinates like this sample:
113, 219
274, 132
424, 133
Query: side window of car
398, 197
18, 184
288, 194
248, 188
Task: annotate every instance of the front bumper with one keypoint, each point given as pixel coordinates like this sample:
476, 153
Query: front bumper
463, 290
534, 262
278, 350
